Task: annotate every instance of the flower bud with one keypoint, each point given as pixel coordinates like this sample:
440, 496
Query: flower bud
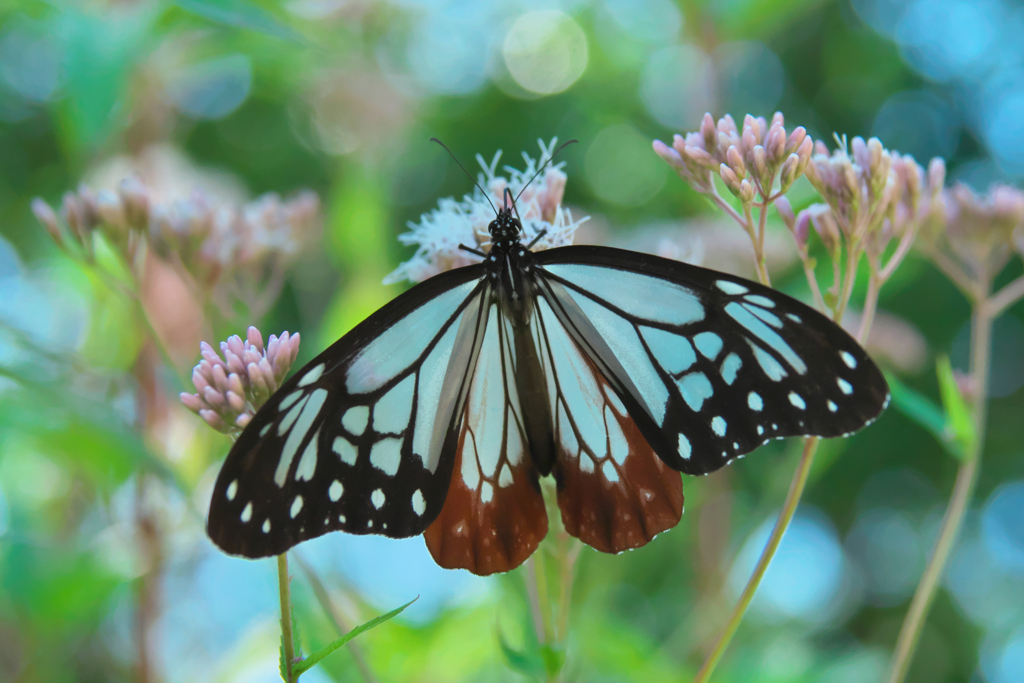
875, 153
699, 157
796, 138
135, 198
727, 125
785, 210
735, 160
668, 154
746, 192
709, 132
730, 179
936, 174
789, 170
802, 229
760, 166
775, 145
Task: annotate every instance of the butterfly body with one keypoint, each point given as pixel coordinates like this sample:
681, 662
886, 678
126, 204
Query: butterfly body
609, 370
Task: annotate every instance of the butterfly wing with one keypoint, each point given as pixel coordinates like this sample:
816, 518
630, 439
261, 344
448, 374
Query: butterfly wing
494, 516
361, 439
614, 493
710, 366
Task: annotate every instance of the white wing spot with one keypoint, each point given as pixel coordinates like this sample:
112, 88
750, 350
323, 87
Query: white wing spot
754, 401
797, 400
618, 445
312, 376
762, 301
684, 447
391, 414
386, 456
247, 512
292, 415
310, 409
419, 504
266, 428
307, 463
341, 518
848, 358
355, 419
586, 463
377, 498
794, 317
608, 470
844, 386
505, 478
486, 492
730, 367
470, 470
709, 344
771, 367
718, 425
289, 400
335, 491
296, 507
695, 387
760, 430
345, 450
731, 287
832, 406
266, 526
232, 489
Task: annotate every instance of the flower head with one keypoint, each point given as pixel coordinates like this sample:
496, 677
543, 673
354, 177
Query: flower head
234, 384
759, 155
440, 232
979, 231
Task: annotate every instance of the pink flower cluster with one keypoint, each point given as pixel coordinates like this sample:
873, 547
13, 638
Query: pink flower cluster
234, 384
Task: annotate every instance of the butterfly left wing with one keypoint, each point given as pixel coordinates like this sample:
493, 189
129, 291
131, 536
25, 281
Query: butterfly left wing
709, 366
361, 439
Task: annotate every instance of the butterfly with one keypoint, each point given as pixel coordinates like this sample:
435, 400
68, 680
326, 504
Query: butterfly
610, 370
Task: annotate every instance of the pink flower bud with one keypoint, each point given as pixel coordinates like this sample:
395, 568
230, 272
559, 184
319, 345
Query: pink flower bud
709, 133
668, 154
789, 171
776, 144
208, 354
730, 179
727, 125
746, 192
736, 161
254, 338
243, 420
936, 174
199, 380
698, 156
192, 401
236, 402
801, 229
785, 210
213, 419
213, 398
760, 164
796, 138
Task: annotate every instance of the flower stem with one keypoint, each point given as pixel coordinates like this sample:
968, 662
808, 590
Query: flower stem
967, 476
796, 489
287, 639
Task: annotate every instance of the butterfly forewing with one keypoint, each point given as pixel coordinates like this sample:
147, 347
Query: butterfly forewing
352, 441
714, 366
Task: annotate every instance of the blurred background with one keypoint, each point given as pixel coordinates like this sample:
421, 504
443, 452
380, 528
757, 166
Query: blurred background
105, 477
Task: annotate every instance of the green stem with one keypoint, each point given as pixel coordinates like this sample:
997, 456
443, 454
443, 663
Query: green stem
796, 489
967, 476
287, 639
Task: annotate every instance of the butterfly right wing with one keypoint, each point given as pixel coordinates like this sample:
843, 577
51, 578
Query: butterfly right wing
362, 438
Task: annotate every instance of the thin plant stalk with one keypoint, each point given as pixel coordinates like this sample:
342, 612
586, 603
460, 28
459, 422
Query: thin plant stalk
287, 637
966, 478
796, 489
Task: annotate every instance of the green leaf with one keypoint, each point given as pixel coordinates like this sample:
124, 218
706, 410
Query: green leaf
554, 659
528, 662
925, 413
241, 14
311, 661
960, 418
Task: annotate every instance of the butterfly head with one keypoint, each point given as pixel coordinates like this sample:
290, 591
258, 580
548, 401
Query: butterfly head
505, 227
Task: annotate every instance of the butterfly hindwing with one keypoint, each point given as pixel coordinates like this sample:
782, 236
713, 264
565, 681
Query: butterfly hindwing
711, 366
359, 439
614, 493
494, 516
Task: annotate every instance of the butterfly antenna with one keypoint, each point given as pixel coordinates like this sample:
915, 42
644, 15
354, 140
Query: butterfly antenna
473, 180
539, 169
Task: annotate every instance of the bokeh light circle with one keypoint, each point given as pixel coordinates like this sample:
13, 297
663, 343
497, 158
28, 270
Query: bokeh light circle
620, 168
545, 51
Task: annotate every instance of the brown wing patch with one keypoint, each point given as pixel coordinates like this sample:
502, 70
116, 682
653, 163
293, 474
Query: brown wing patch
494, 526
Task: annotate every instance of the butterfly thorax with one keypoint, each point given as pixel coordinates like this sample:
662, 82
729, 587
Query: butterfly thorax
509, 264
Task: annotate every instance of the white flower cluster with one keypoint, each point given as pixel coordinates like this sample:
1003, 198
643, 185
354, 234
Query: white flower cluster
439, 233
